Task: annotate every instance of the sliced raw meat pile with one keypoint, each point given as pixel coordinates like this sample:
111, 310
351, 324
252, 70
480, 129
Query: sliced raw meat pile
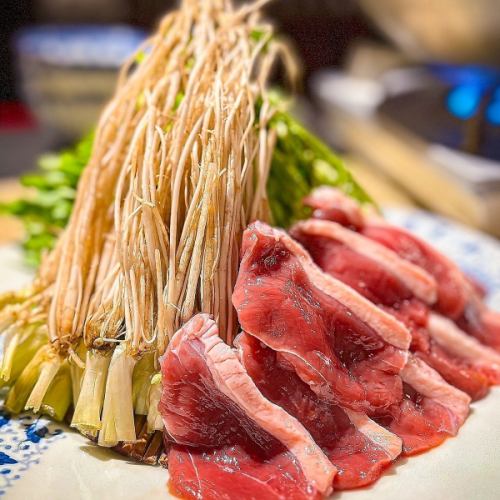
358, 447
229, 441
369, 267
345, 348
457, 370
432, 410
459, 297
446, 333
378, 273
402, 288
482, 323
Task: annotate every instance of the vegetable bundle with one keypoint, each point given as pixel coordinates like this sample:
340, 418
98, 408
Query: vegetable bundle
191, 149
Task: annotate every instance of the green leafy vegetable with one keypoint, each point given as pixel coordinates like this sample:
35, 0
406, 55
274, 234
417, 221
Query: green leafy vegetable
48, 211
300, 163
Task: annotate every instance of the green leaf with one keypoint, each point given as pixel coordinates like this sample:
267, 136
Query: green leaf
49, 209
301, 162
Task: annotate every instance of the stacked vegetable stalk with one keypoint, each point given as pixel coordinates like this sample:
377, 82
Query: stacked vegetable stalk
179, 166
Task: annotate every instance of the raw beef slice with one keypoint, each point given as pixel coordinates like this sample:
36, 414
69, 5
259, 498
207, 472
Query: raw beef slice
400, 287
369, 267
378, 273
459, 297
343, 346
229, 441
432, 410
358, 447
483, 358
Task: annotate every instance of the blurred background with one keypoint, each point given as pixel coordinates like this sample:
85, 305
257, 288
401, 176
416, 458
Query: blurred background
407, 90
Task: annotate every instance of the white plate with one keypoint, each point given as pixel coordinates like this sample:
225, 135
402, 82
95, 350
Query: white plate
52, 462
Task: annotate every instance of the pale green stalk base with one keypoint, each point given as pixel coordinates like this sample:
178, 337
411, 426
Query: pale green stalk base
77, 372
19, 348
155, 422
141, 383
87, 416
118, 411
58, 398
23, 387
48, 370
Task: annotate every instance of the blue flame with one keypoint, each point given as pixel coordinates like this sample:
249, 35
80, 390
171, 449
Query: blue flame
464, 100
493, 112
470, 84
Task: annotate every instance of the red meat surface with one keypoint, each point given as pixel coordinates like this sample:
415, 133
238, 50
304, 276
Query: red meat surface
385, 278
432, 411
459, 297
446, 333
344, 347
356, 270
359, 460
453, 294
228, 440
